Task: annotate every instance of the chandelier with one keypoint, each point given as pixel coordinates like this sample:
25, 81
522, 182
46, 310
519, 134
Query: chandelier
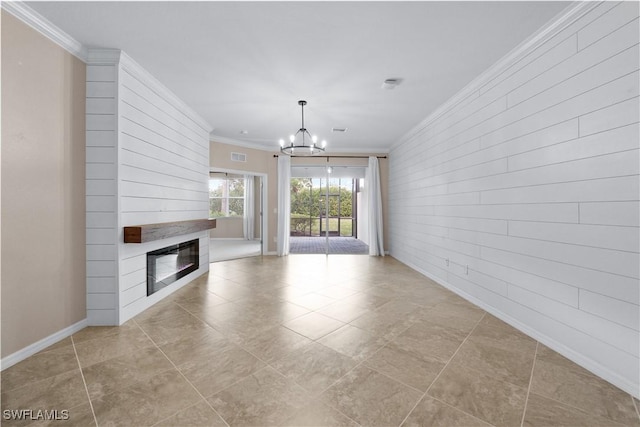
302, 143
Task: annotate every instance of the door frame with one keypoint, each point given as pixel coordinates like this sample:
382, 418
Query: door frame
327, 177
264, 226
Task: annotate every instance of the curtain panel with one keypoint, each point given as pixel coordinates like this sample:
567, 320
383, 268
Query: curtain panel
376, 243
284, 204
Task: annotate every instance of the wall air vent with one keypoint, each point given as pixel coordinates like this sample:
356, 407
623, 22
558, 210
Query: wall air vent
338, 129
238, 157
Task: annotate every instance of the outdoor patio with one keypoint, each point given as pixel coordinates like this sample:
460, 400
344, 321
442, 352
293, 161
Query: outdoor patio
337, 245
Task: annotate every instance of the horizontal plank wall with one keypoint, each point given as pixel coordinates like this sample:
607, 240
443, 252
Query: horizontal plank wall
101, 192
522, 193
150, 164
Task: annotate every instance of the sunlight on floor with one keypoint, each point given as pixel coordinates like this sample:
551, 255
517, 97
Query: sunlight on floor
222, 250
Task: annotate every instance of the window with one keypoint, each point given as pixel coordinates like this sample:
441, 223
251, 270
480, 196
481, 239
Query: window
226, 197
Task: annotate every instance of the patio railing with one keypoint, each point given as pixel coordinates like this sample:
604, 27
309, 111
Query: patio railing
316, 226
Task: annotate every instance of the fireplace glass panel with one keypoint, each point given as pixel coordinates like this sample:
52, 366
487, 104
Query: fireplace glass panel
166, 265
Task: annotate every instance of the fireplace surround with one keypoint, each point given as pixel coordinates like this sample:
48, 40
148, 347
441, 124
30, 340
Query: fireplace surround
147, 162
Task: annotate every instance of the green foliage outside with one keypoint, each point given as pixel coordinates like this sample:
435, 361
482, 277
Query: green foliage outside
308, 206
302, 225
235, 207
226, 197
309, 200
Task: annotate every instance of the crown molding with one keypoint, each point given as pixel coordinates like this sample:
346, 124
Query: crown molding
45, 27
103, 56
561, 21
136, 69
244, 144
117, 56
276, 147
361, 150
97, 56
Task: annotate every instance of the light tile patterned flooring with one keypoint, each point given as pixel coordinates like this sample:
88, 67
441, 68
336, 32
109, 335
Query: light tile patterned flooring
312, 341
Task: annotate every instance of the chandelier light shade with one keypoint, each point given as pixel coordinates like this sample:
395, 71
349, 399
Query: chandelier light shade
302, 143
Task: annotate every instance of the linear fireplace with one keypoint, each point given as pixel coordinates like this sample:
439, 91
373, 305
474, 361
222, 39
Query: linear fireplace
166, 265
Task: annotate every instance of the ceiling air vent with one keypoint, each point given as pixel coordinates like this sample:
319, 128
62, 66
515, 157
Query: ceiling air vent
238, 157
338, 129
390, 84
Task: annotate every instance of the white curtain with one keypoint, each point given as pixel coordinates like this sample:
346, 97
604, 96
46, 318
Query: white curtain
249, 208
284, 204
376, 243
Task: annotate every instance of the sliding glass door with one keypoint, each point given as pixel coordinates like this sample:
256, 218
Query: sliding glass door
324, 207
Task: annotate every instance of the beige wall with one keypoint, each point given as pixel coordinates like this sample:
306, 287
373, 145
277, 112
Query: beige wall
258, 161
228, 228
43, 205
263, 162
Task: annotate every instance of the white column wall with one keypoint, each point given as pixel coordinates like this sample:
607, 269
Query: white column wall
149, 165
521, 193
101, 192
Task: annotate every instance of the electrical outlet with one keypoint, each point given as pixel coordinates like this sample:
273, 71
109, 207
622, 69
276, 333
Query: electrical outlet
447, 262
466, 270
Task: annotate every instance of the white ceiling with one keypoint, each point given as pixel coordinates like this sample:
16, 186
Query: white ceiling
244, 65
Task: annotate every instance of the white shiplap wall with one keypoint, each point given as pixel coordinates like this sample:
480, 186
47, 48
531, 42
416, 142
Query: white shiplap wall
158, 152
530, 178
101, 194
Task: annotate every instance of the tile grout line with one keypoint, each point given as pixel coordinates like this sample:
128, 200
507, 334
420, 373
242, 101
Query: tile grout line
86, 389
346, 373
443, 369
177, 412
582, 410
182, 375
243, 347
268, 364
362, 362
394, 380
334, 383
635, 405
312, 394
526, 400
460, 410
456, 352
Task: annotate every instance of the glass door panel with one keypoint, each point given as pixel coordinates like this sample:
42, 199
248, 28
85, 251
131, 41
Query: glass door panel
324, 211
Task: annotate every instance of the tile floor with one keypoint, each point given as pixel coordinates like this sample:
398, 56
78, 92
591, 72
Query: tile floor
312, 341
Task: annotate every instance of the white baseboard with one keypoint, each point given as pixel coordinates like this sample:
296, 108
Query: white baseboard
589, 364
255, 239
32, 349
227, 238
